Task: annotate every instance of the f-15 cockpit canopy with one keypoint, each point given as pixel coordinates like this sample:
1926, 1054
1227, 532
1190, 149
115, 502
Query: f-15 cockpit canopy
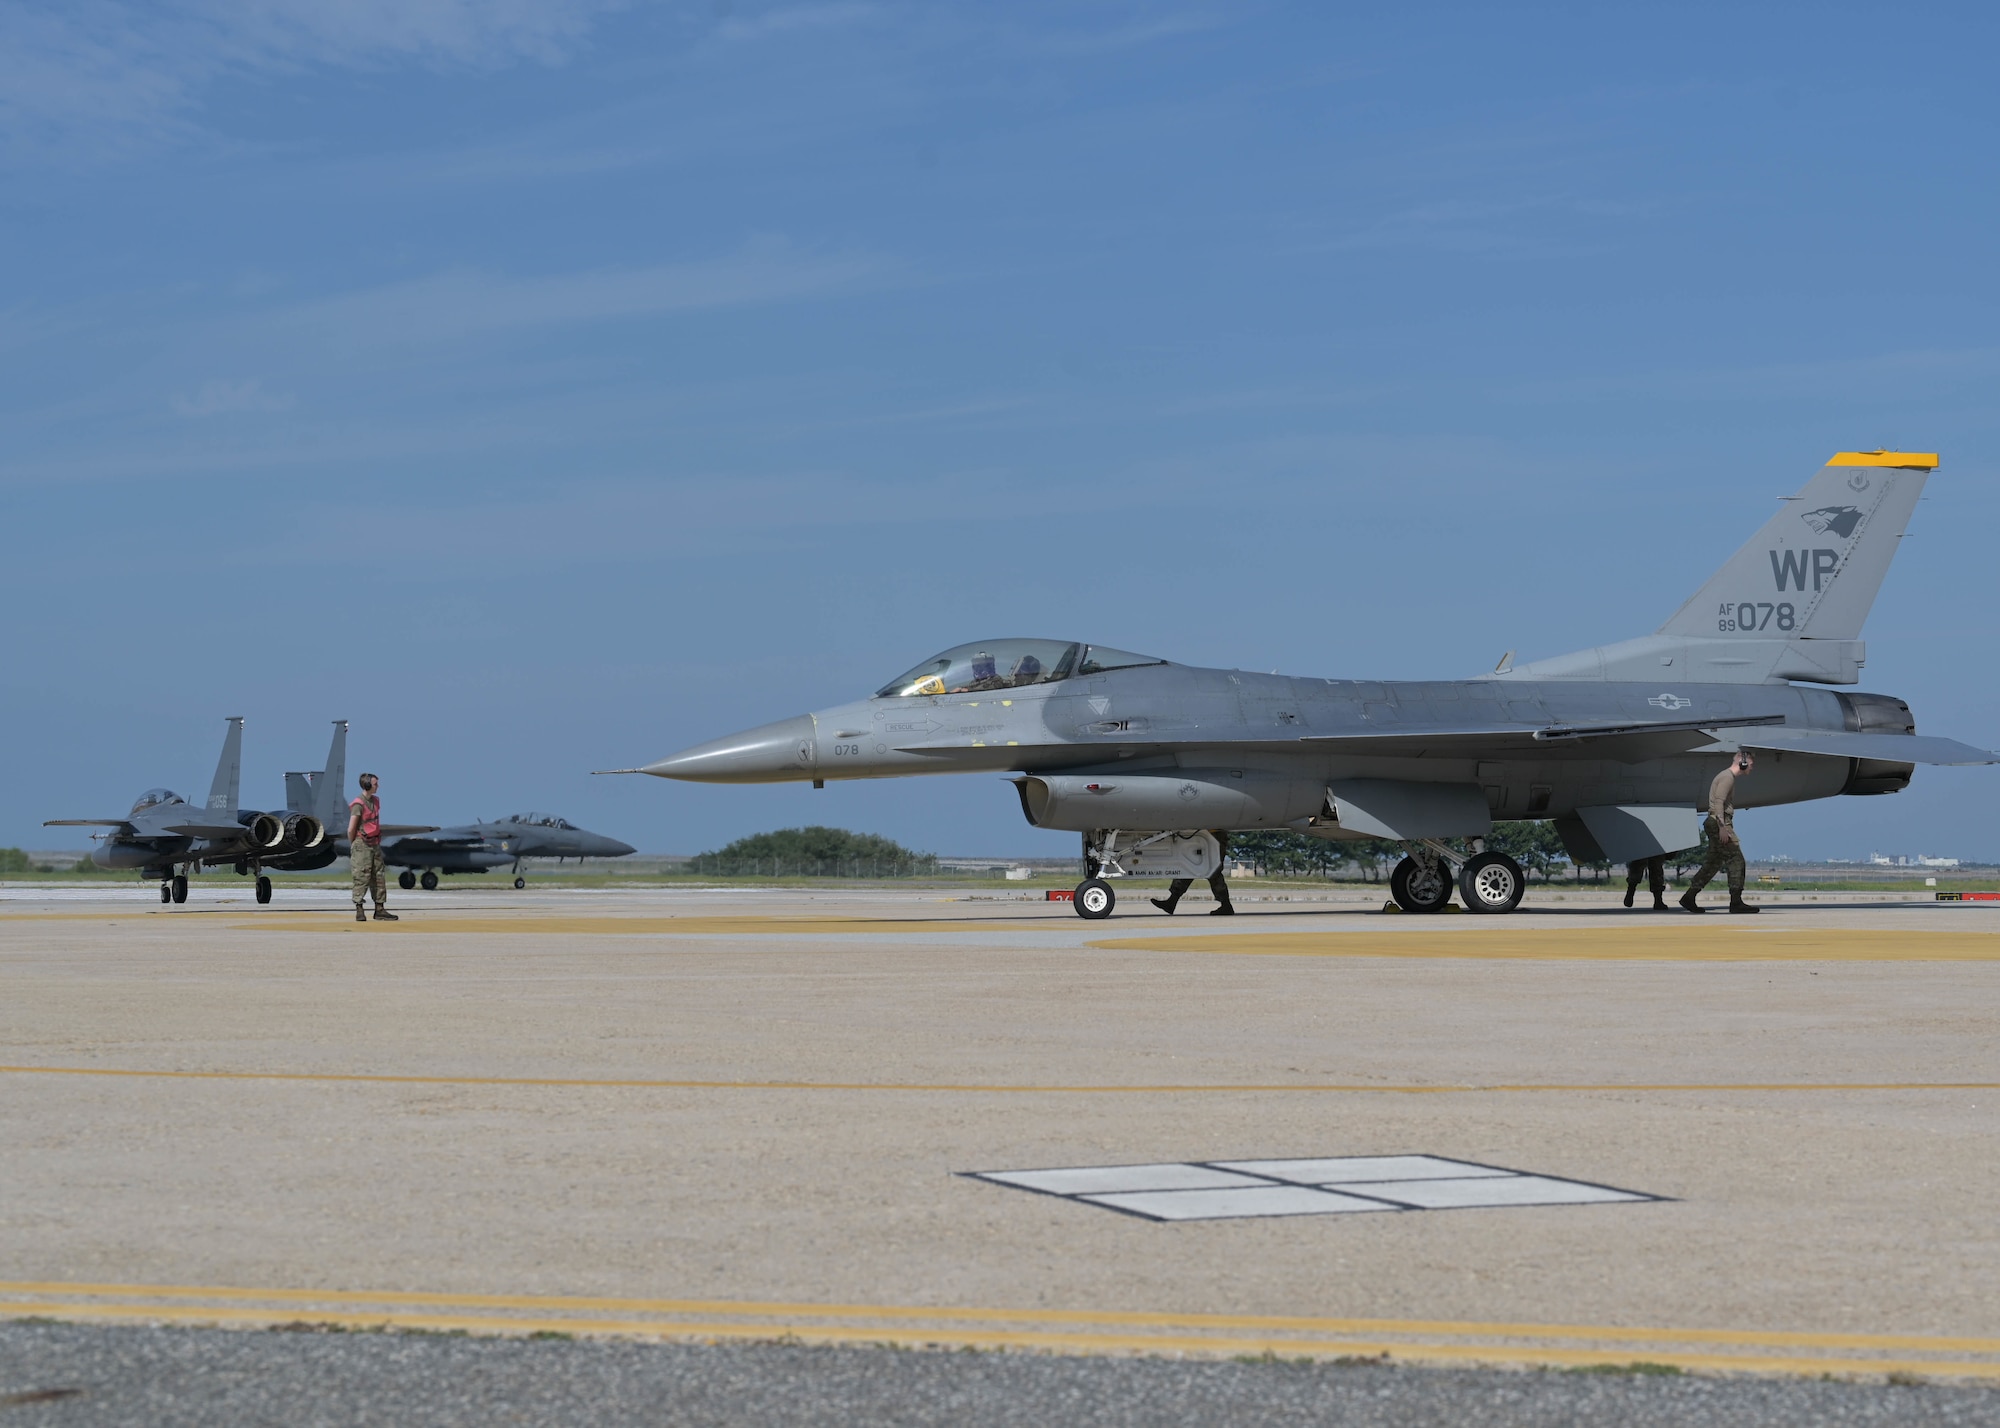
539, 820
1008, 664
152, 797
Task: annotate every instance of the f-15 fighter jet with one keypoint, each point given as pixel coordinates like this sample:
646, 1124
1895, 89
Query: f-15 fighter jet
1147, 758
166, 837
478, 847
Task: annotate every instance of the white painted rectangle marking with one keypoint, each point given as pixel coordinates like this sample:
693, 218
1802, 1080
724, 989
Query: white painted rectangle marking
1234, 1204
1493, 1191
1355, 1169
1101, 1179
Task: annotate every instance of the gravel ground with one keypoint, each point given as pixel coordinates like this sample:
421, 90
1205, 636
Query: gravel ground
64, 1374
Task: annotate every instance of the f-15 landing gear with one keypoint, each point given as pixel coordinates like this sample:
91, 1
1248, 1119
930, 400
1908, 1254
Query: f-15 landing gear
406, 880
177, 887
519, 881
166, 892
429, 881
1094, 899
263, 888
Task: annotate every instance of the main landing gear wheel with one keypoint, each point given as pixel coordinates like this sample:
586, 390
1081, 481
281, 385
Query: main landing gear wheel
520, 882
1491, 882
406, 880
429, 880
166, 892
1420, 887
1094, 899
179, 887
263, 888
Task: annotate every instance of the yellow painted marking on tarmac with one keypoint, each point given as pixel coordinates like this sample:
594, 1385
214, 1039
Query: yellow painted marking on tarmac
993, 1088
1093, 1331
1690, 944
565, 1303
341, 921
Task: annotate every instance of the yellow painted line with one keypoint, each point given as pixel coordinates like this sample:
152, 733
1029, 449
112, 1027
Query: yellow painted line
341, 921
561, 1303
995, 1088
1689, 944
1085, 1342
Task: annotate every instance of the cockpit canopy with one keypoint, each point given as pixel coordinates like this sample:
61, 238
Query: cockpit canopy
1007, 664
155, 796
540, 820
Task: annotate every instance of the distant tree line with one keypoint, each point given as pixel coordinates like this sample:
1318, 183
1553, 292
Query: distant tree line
814, 852
1533, 843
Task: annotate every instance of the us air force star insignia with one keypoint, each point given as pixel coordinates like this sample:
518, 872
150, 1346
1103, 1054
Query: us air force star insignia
1670, 701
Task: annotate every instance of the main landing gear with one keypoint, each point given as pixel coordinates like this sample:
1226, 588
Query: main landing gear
174, 889
429, 881
263, 888
1486, 882
406, 880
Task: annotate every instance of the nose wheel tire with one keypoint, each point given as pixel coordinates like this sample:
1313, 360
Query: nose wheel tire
406, 880
429, 880
1094, 899
179, 887
263, 888
1491, 882
1418, 887
520, 882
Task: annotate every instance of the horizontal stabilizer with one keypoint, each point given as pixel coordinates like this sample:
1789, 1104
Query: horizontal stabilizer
196, 828
1890, 748
86, 823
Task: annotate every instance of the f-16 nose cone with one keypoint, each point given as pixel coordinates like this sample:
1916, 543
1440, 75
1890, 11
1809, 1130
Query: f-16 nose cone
774, 753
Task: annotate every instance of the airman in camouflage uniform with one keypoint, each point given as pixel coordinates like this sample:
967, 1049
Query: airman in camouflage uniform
1725, 852
364, 841
1218, 886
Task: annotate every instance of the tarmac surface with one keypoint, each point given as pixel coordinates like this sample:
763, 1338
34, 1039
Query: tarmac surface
739, 1116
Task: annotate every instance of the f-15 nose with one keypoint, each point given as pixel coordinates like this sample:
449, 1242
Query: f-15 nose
603, 847
771, 753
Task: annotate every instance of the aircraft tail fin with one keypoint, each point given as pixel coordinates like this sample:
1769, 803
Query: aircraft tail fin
228, 781
299, 792
329, 785
1814, 570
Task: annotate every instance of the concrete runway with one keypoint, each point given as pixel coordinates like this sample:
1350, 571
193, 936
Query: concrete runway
744, 1116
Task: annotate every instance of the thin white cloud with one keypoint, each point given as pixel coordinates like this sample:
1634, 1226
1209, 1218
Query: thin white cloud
221, 396
104, 78
795, 19
469, 303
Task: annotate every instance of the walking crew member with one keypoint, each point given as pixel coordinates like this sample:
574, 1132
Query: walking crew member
1654, 871
1724, 850
364, 841
1216, 885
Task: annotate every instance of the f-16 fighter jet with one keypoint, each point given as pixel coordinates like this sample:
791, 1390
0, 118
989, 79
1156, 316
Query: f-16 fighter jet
478, 847
1147, 759
166, 837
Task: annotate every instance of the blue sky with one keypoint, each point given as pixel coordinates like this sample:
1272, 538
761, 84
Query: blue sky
549, 386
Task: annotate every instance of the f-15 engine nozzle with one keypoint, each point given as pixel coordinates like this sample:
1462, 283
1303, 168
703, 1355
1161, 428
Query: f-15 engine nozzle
303, 832
265, 832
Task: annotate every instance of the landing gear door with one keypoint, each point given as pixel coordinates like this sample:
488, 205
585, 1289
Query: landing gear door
1168, 855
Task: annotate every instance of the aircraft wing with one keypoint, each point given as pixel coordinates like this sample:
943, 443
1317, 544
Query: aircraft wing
1890, 748
197, 828
406, 830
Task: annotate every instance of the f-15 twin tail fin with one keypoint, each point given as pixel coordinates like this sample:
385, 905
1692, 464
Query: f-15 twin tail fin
228, 782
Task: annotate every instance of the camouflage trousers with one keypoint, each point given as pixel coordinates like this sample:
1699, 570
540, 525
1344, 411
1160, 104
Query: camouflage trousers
368, 867
1722, 857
